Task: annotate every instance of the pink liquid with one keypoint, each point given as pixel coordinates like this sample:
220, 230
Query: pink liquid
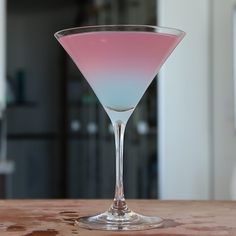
119, 66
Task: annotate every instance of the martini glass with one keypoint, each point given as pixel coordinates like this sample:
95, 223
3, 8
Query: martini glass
119, 62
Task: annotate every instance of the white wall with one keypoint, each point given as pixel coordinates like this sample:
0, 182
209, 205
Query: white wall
184, 99
2, 52
224, 74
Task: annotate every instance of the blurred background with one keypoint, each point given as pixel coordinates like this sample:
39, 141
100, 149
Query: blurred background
180, 142
59, 137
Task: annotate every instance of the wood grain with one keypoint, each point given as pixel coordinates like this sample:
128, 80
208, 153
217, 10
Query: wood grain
57, 217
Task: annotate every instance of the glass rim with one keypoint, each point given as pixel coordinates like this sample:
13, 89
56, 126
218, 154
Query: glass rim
130, 28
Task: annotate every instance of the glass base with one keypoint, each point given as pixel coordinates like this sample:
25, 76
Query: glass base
127, 221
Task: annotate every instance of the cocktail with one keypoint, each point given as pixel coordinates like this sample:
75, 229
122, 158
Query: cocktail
119, 62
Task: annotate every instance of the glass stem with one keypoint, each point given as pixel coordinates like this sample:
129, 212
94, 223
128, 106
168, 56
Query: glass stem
119, 205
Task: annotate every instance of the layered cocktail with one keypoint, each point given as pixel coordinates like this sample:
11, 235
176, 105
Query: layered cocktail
119, 63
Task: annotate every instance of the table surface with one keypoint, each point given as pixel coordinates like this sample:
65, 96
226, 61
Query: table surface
57, 217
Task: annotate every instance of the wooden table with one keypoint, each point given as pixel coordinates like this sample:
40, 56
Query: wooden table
56, 217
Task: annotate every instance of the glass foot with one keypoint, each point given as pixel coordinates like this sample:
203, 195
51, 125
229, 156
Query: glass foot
127, 221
